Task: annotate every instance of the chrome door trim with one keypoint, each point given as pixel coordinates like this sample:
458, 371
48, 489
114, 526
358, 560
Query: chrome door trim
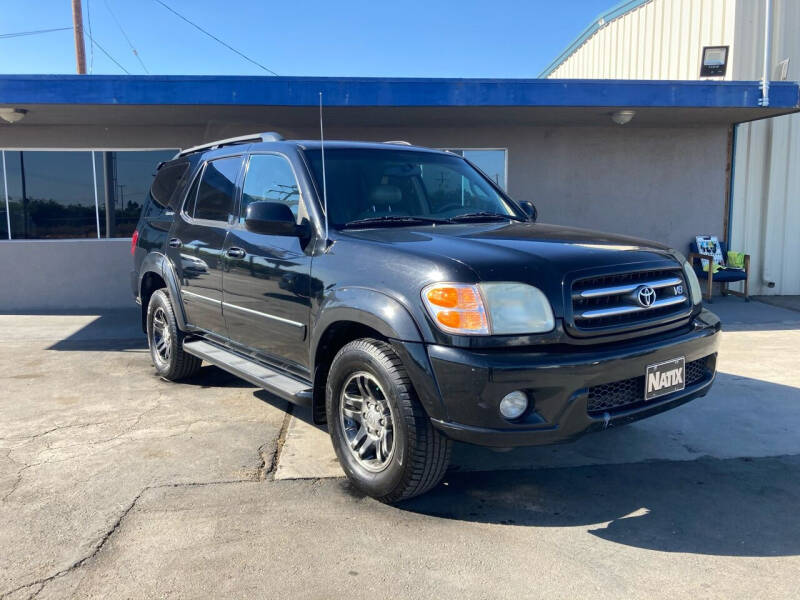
262, 314
200, 297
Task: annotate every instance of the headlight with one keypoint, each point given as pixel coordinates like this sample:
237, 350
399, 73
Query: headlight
694, 283
488, 308
695, 292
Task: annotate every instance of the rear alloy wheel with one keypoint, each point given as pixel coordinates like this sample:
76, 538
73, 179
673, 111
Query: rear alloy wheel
166, 340
162, 340
382, 436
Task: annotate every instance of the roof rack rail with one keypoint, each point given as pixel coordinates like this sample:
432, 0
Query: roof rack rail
268, 136
399, 142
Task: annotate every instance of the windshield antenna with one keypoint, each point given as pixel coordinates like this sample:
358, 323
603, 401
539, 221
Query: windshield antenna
324, 179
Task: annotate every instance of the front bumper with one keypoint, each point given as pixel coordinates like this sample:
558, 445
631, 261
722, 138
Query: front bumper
472, 383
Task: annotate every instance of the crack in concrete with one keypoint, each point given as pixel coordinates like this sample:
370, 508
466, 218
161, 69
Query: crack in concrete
15, 485
273, 466
262, 472
42, 582
103, 540
28, 439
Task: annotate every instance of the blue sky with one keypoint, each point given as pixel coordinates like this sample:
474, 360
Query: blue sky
432, 38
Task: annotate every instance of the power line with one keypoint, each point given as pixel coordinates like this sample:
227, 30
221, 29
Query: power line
125, 35
215, 38
35, 32
104, 51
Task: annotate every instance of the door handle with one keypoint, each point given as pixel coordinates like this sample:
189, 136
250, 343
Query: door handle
175, 243
234, 252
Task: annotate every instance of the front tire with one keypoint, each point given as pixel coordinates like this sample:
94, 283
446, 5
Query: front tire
165, 340
382, 436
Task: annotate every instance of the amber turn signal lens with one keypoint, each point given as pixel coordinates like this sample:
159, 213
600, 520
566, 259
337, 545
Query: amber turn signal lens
467, 320
446, 297
449, 318
463, 298
456, 307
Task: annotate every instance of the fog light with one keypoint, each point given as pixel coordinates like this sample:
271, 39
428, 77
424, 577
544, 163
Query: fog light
513, 404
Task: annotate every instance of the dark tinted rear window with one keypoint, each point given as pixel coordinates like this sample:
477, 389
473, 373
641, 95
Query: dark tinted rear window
167, 180
217, 187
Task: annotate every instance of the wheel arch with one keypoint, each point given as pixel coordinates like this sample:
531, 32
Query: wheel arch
156, 273
354, 313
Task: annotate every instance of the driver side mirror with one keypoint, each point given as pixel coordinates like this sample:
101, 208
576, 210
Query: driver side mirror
530, 210
272, 218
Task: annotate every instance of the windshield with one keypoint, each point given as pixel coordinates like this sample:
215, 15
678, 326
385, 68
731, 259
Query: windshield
367, 183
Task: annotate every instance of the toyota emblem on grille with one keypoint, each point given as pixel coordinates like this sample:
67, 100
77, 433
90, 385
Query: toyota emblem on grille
645, 296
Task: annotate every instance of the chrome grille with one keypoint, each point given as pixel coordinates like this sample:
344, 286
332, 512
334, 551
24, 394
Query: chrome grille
629, 392
609, 302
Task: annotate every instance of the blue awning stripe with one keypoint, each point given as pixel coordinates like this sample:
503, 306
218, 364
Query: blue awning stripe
351, 91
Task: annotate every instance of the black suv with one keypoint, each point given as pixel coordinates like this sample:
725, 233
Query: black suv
427, 307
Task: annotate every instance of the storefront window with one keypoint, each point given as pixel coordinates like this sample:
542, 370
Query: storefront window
49, 195
124, 177
5, 218
57, 194
491, 161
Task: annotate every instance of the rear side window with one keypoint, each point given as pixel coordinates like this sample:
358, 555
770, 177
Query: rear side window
217, 187
166, 182
188, 207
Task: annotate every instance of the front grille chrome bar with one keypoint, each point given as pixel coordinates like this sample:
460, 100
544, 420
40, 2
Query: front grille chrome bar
626, 289
614, 311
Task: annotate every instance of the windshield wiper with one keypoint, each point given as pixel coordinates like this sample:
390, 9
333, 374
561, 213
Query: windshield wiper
391, 220
477, 216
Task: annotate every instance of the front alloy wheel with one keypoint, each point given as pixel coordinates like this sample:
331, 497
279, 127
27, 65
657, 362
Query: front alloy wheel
383, 438
367, 421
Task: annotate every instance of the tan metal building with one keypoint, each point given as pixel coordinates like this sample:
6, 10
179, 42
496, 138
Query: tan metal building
665, 39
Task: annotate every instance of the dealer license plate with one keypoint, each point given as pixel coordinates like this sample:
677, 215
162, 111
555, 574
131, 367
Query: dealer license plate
665, 377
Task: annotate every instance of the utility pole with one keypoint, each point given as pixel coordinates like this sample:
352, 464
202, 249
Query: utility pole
77, 26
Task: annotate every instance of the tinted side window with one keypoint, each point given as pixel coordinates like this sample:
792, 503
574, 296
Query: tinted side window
188, 206
166, 182
270, 178
217, 188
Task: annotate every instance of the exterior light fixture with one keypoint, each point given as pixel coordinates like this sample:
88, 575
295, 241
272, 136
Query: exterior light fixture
621, 117
715, 61
12, 115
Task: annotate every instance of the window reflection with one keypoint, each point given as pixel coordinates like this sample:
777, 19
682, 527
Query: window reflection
270, 178
51, 193
123, 182
492, 162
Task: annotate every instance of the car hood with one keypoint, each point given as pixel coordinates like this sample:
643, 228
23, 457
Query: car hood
535, 253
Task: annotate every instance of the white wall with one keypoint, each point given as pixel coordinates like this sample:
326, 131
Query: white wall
65, 274
766, 186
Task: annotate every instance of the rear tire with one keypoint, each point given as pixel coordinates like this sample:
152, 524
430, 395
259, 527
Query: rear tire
382, 436
166, 340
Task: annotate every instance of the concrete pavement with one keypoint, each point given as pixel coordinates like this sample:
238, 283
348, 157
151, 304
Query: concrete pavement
114, 483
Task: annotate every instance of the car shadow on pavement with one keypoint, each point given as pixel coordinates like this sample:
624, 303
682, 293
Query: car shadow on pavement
732, 507
107, 331
210, 376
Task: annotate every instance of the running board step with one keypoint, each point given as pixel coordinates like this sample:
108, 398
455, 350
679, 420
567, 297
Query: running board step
272, 380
